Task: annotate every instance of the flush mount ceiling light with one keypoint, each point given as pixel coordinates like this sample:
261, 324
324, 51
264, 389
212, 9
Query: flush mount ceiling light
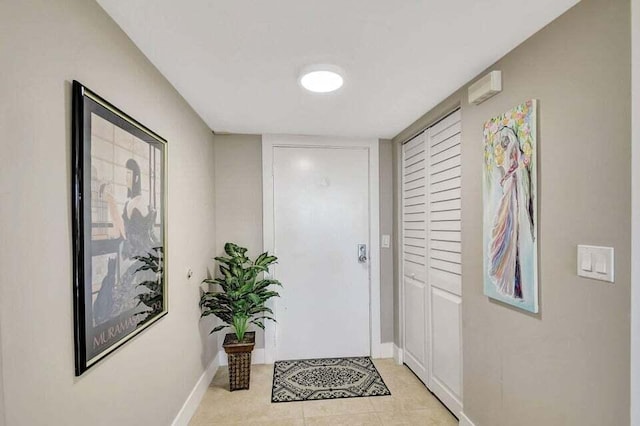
321, 78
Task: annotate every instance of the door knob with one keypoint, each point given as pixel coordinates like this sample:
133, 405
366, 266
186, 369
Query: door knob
362, 253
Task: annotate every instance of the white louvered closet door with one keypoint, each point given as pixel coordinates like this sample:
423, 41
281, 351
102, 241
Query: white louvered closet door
414, 254
444, 262
436, 266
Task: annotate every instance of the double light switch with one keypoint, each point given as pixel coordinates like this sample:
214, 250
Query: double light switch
595, 262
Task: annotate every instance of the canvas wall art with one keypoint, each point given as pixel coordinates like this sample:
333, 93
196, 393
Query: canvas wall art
119, 199
510, 219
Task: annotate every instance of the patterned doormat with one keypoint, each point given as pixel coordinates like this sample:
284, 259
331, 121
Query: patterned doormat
326, 378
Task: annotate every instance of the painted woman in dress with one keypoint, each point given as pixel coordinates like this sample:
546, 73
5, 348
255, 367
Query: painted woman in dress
504, 250
138, 217
134, 228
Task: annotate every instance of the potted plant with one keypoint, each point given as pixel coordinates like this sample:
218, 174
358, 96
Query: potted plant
239, 303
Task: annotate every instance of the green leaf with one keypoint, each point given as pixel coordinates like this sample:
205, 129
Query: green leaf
218, 328
265, 260
226, 272
258, 323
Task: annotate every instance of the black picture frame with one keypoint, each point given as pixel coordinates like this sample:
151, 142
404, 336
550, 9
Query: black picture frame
119, 241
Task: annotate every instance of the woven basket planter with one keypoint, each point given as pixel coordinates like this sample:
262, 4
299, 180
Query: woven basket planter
239, 359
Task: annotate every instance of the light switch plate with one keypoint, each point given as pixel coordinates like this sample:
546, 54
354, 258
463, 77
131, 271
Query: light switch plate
385, 241
596, 262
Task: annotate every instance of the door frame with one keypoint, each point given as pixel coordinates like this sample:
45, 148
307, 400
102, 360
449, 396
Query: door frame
272, 141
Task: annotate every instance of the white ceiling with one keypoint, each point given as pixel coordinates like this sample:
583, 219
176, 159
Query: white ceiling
237, 61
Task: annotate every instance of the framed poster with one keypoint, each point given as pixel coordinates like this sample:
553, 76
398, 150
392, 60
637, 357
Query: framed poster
119, 227
510, 223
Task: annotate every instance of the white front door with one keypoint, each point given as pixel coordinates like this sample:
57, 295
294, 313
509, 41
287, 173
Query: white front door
320, 216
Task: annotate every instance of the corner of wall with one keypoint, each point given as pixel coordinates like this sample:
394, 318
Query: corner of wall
239, 219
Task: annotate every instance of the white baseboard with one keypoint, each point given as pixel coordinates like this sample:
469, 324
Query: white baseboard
193, 400
257, 356
384, 350
398, 355
464, 420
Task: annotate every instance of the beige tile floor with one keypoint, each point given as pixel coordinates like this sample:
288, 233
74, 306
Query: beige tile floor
410, 403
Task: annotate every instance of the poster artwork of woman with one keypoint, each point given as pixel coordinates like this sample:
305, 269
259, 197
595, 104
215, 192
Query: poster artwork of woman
134, 228
516, 201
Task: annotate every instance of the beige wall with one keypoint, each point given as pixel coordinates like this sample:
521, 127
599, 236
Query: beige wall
635, 250
569, 364
239, 214
238, 188
396, 154
386, 227
45, 45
